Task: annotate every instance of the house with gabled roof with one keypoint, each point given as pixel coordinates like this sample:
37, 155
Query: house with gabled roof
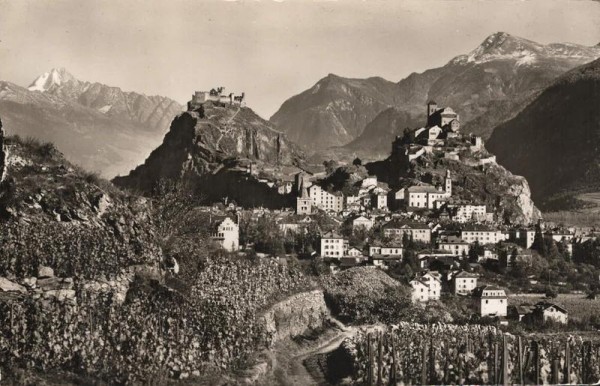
491, 300
361, 221
226, 232
420, 290
463, 282
433, 279
549, 312
333, 245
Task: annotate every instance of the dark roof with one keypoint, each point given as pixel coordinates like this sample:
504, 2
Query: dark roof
332, 235
387, 244
398, 223
478, 227
478, 292
386, 257
545, 305
465, 274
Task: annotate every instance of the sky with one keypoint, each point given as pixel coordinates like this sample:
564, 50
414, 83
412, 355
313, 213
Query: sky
271, 50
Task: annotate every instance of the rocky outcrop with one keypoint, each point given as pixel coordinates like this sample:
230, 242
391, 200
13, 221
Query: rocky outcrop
503, 193
212, 147
296, 315
56, 215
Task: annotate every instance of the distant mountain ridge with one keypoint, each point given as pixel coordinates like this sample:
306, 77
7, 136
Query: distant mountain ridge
554, 142
487, 86
335, 110
151, 111
99, 127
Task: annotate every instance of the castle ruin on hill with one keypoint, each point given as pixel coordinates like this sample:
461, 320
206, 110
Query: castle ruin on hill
215, 95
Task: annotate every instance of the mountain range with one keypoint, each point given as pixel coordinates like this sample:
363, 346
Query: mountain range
555, 141
487, 86
98, 127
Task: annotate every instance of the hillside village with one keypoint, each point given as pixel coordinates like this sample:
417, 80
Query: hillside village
366, 223
319, 193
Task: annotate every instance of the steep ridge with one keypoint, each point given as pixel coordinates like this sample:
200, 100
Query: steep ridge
554, 141
56, 215
489, 85
214, 147
334, 111
98, 127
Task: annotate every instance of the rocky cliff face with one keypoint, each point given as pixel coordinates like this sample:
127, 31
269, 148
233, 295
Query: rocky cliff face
296, 315
554, 141
99, 127
212, 147
507, 195
54, 214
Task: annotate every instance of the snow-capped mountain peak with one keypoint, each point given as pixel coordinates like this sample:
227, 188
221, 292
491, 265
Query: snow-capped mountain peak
503, 46
55, 77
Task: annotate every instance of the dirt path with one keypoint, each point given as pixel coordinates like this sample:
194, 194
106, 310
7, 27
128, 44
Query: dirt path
298, 373
226, 130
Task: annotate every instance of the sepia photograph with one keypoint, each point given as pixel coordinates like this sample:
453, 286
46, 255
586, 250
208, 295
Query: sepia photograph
299, 192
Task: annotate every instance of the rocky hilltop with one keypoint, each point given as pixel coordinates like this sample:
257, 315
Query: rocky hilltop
476, 178
54, 214
222, 149
554, 141
99, 127
489, 85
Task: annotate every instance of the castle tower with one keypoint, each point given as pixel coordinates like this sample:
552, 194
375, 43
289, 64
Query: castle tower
431, 108
448, 183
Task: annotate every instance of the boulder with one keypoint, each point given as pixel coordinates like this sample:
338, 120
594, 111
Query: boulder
101, 204
9, 286
30, 282
44, 271
54, 283
61, 295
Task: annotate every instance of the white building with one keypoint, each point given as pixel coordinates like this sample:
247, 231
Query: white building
464, 283
464, 213
417, 231
362, 222
354, 252
426, 287
389, 250
491, 301
333, 245
380, 200
550, 312
434, 283
481, 234
420, 290
227, 234
457, 247
325, 200
427, 196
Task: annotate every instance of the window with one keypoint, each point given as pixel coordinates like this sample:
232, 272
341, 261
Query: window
487, 301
